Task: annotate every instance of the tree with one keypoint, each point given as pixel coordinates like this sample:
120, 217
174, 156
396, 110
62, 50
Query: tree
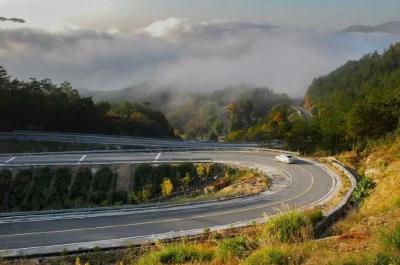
167, 188
44, 106
146, 192
201, 171
185, 182
232, 116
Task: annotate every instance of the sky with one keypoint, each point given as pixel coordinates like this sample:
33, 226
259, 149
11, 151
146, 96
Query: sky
187, 44
131, 14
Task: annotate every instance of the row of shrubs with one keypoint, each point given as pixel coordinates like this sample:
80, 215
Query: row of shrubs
63, 187
151, 181
46, 188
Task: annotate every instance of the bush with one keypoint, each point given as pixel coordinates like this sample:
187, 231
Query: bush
229, 248
166, 188
383, 259
97, 197
39, 191
288, 227
20, 187
362, 190
314, 216
80, 188
103, 179
59, 188
177, 254
119, 197
269, 256
5, 189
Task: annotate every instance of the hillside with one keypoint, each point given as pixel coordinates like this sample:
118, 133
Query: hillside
44, 106
358, 101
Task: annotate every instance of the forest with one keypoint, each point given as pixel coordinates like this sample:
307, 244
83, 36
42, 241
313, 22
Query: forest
357, 103
41, 105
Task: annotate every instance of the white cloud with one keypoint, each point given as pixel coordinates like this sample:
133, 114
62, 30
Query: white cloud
186, 55
165, 28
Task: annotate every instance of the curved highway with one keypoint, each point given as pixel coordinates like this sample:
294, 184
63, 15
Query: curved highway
309, 185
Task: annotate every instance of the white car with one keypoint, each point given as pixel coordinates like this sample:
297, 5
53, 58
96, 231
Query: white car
288, 159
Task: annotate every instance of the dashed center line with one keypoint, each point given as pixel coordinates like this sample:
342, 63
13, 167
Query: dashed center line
157, 157
9, 160
82, 158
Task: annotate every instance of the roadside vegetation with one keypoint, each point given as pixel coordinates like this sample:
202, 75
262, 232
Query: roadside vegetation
77, 187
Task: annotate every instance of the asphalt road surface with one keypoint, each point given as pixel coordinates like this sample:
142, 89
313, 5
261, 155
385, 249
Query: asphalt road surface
309, 184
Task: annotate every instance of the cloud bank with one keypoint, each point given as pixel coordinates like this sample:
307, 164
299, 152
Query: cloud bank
185, 55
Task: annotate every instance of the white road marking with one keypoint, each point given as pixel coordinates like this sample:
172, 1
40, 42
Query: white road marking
9, 160
157, 157
82, 158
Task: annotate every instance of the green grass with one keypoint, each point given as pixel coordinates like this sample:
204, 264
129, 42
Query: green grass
314, 216
177, 254
391, 239
291, 226
236, 247
269, 256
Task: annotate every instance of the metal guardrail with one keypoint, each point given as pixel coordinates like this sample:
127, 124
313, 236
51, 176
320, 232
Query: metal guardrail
103, 139
339, 210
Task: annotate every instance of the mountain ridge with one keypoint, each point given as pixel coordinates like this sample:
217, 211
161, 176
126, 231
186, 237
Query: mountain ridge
391, 27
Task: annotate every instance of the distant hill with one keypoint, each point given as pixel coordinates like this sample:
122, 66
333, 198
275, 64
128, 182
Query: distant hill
392, 27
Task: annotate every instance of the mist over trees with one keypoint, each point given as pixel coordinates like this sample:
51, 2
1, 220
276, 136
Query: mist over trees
204, 115
44, 106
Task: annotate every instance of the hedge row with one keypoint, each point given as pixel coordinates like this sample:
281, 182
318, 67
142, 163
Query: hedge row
60, 188
45, 188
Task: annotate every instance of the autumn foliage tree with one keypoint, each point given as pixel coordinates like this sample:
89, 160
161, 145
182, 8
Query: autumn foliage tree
167, 188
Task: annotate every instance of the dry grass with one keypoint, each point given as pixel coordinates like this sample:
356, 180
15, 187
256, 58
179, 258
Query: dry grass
383, 166
244, 182
250, 184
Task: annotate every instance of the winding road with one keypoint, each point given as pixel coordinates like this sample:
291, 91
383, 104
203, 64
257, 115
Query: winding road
307, 184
